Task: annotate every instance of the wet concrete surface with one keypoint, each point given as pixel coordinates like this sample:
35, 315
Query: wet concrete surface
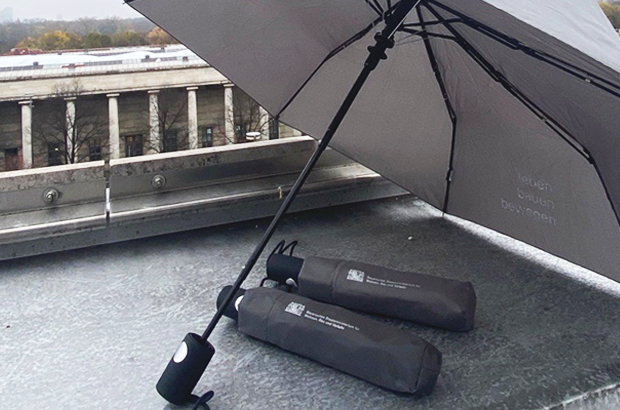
94, 328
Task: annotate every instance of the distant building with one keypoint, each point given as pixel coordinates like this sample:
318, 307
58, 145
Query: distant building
6, 15
23, 51
116, 103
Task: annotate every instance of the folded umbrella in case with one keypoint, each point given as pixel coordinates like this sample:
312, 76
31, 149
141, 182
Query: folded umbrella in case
430, 300
373, 351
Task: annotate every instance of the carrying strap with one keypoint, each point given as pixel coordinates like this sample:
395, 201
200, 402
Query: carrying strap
290, 246
202, 400
281, 248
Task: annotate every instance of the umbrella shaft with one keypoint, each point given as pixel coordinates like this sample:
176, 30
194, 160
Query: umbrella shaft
377, 53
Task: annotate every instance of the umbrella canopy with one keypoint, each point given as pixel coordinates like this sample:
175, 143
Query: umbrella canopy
500, 112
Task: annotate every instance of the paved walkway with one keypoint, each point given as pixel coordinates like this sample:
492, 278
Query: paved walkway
94, 328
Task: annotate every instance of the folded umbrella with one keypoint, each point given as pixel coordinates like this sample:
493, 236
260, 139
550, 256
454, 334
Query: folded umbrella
373, 351
445, 303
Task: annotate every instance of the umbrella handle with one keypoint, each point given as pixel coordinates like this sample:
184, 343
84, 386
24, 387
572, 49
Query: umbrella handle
183, 373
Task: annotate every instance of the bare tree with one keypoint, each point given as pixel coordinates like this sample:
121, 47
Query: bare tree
247, 117
173, 133
85, 26
66, 127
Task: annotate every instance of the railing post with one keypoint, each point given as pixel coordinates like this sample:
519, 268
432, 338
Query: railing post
114, 139
26, 134
192, 117
229, 116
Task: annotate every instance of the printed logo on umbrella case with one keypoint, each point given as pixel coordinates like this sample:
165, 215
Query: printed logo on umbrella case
356, 275
295, 308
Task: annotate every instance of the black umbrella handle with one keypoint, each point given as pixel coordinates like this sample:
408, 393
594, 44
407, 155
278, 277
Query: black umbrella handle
384, 40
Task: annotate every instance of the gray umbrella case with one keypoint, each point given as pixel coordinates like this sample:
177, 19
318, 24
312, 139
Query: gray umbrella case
362, 347
439, 302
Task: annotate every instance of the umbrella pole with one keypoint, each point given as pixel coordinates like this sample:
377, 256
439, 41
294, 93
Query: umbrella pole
190, 361
384, 40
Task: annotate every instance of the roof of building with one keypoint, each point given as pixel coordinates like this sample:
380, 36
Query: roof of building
84, 62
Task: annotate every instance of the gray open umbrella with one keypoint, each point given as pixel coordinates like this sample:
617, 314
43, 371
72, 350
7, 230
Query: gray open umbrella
503, 112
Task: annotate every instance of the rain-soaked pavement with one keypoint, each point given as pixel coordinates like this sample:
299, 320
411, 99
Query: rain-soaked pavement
94, 328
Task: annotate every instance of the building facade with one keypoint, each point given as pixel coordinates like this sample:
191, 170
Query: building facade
79, 106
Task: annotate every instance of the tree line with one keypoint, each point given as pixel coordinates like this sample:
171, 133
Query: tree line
83, 33
63, 40
612, 10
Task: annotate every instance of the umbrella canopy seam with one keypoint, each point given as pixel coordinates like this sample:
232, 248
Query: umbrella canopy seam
358, 36
491, 71
540, 55
560, 130
352, 40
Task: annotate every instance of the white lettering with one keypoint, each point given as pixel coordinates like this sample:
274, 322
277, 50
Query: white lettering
536, 216
535, 183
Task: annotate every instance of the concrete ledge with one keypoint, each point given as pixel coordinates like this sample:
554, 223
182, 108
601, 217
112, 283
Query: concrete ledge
229, 177
81, 184
175, 211
208, 157
42, 177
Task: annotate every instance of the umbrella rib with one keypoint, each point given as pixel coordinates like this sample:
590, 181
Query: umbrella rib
491, 71
514, 91
422, 33
333, 53
451, 112
540, 55
391, 9
431, 23
375, 7
378, 5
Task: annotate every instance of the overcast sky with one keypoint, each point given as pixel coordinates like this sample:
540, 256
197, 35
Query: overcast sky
68, 9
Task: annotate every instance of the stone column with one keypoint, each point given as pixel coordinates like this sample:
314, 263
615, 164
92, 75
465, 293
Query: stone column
264, 123
229, 118
114, 141
154, 137
192, 117
26, 134
276, 126
70, 156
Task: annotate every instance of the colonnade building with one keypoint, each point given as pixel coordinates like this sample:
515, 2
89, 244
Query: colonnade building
79, 106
